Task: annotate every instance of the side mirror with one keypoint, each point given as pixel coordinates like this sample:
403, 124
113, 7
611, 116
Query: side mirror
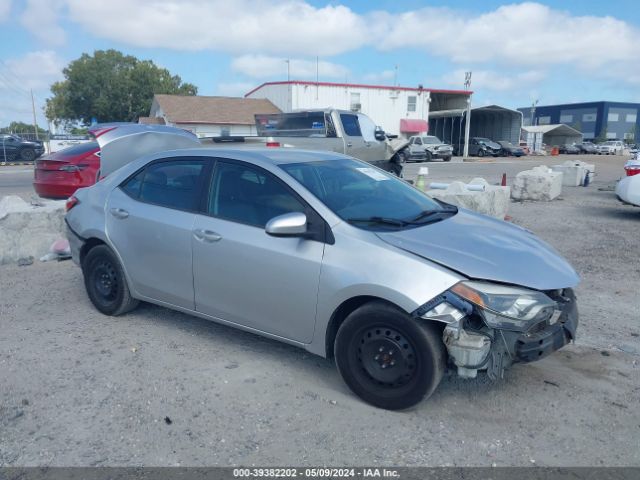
380, 135
292, 224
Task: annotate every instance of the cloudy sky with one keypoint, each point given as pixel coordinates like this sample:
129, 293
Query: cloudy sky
562, 51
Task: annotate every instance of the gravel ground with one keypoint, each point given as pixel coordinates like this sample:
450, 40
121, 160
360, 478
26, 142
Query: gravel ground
156, 387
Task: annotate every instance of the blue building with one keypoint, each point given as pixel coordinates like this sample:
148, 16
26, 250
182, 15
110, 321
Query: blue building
596, 120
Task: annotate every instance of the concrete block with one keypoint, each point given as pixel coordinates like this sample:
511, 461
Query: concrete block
27, 230
539, 183
572, 175
575, 171
493, 200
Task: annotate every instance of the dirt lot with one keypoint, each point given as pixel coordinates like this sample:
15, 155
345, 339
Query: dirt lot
157, 387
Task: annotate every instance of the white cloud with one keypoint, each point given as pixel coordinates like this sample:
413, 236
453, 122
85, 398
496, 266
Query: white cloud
40, 18
5, 10
496, 81
519, 34
261, 66
36, 70
241, 26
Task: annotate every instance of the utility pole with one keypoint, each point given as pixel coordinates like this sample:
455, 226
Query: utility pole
467, 126
288, 70
533, 111
33, 108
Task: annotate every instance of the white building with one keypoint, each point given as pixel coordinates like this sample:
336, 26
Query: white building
398, 110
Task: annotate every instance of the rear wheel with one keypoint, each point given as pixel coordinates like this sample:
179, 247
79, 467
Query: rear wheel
481, 153
387, 358
447, 159
105, 282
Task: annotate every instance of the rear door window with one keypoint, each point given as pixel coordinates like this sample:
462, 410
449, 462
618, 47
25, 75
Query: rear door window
350, 125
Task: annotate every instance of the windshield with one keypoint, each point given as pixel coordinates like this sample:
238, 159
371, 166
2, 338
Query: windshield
431, 140
365, 196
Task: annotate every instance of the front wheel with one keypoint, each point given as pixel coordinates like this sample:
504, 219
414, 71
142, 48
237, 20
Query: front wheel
28, 155
387, 358
447, 159
105, 282
481, 153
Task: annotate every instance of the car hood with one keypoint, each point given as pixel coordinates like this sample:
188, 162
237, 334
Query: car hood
481, 247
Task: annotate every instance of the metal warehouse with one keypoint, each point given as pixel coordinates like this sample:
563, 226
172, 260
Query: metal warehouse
595, 120
492, 121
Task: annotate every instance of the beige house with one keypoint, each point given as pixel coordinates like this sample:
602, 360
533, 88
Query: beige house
208, 116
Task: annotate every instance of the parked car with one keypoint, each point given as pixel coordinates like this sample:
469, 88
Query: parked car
14, 148
568, 149
59, 174
324, 252
633, 149
612, 147
427, 147
587, 147
525, 148
628, 188
510, 150
483, 147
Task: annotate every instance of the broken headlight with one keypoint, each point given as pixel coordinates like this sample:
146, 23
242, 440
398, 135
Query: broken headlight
505, 307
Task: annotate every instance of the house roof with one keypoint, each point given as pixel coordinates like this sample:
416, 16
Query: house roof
213, 110
360, 85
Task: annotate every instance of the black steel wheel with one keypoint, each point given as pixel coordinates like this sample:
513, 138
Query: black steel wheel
105, 282
387, 358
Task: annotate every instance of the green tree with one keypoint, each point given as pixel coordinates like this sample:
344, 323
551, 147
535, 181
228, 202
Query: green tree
21, 127
111, 87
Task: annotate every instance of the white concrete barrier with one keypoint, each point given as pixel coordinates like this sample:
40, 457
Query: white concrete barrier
28, 230
539, 183
574, 172
490, 199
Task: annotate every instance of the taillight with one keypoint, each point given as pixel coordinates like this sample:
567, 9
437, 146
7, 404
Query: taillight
71, 202
273, 144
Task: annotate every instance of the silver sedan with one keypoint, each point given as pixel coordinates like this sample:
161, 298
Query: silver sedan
328, 253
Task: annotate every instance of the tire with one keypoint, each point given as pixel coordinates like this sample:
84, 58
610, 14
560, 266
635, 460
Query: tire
481, 153
446, 159
105, 282
28, 155
428, 155
364, 350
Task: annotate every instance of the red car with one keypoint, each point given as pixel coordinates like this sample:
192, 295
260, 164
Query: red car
60, 174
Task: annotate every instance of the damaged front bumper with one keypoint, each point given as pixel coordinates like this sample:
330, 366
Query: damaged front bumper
474, 346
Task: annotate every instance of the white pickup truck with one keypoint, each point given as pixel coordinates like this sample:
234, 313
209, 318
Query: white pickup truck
341, 131
427, 147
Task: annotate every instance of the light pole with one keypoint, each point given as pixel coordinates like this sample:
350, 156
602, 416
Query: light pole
467, 126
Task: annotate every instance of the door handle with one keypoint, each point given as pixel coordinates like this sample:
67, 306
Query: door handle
119, 213
349, 144
206, 235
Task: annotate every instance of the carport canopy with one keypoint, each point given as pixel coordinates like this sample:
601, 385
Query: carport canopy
491, 121
554, 135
